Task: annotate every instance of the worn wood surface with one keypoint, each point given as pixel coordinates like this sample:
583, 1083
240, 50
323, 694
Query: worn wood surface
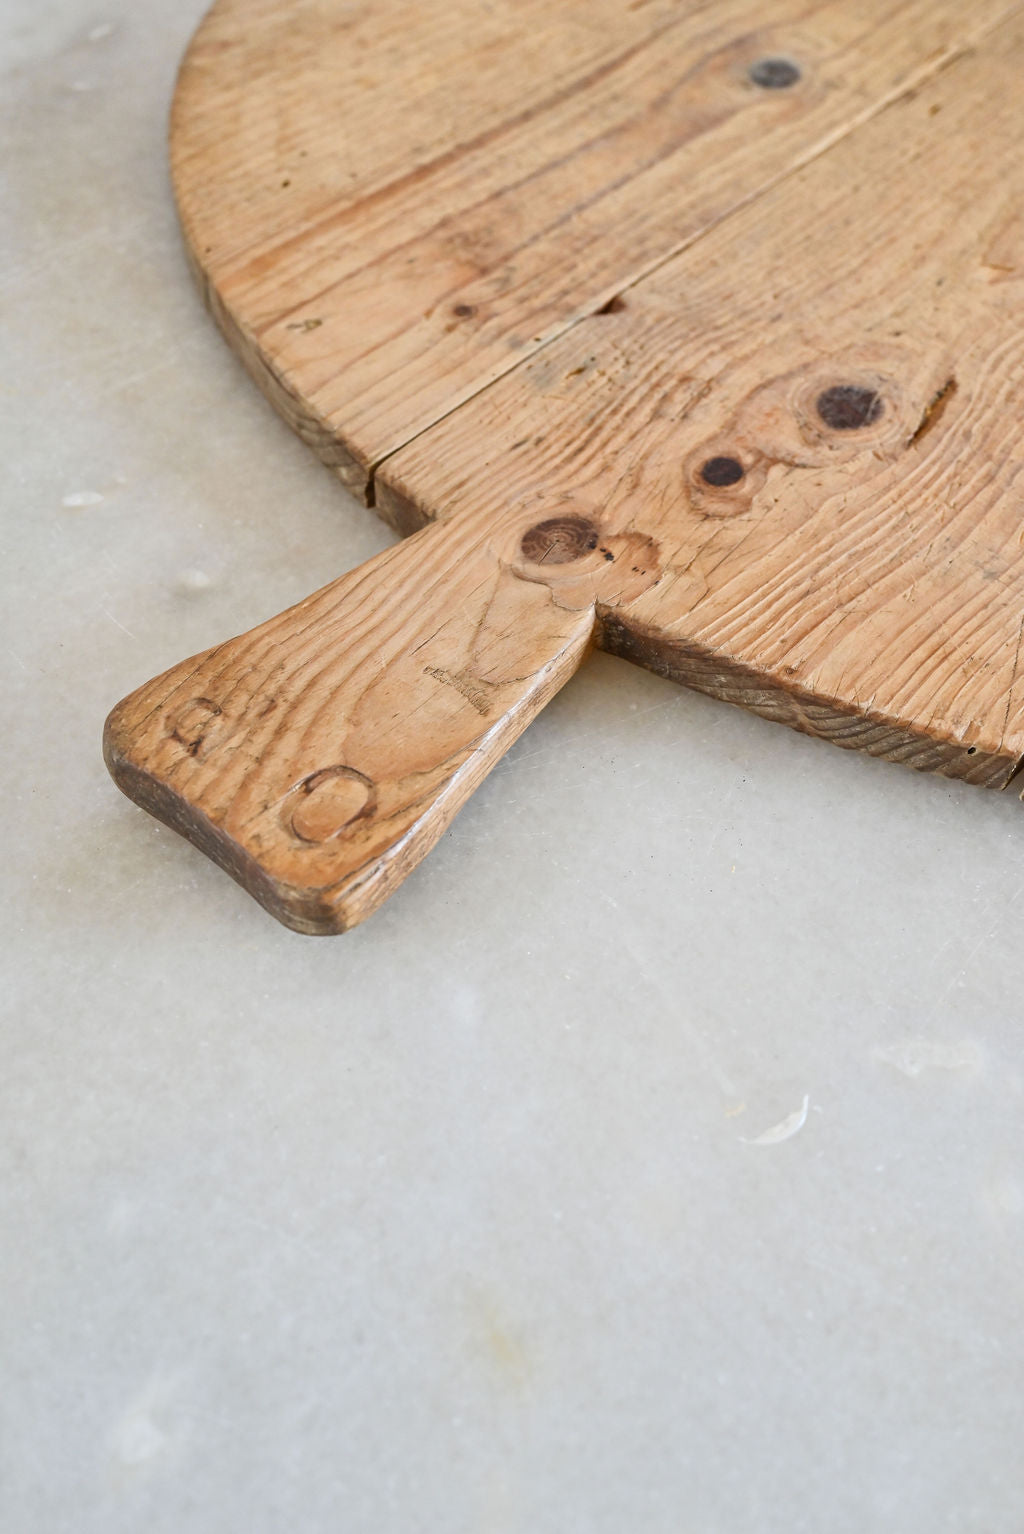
724, 375
865, 583
391, 204
319, 757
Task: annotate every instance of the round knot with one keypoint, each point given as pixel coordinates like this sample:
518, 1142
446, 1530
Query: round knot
559, 541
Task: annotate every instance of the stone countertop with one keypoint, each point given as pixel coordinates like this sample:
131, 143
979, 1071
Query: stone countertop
652, 1161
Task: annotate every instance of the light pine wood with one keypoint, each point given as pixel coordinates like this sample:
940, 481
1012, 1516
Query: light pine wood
780, 465
389, 205
866, 585
318, 758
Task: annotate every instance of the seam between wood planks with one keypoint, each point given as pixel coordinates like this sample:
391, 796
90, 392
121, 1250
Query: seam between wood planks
928, 71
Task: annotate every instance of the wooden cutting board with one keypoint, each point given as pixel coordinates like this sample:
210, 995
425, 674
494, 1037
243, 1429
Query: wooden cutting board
690, 330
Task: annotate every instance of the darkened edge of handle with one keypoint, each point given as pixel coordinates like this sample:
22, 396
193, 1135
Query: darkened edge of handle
312, 912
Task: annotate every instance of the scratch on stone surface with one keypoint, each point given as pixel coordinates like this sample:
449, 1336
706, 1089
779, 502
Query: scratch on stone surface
646, 970
129, 380
789, 1126
120, 625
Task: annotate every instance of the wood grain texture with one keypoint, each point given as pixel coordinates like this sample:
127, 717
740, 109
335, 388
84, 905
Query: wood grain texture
862, 583
390, 205
725, 377
318, 758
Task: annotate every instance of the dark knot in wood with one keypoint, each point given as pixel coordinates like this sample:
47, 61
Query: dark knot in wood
846, 407
774, 74
721, 472
559, 541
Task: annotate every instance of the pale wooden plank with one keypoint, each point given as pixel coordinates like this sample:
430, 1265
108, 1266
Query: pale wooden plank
392, 205
862, 584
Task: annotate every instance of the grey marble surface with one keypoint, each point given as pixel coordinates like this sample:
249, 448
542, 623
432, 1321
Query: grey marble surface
651, 1162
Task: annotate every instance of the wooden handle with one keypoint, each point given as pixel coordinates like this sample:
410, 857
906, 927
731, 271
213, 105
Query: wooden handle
320, 756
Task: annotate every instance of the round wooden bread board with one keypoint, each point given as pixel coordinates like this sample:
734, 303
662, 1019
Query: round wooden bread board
651, 326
